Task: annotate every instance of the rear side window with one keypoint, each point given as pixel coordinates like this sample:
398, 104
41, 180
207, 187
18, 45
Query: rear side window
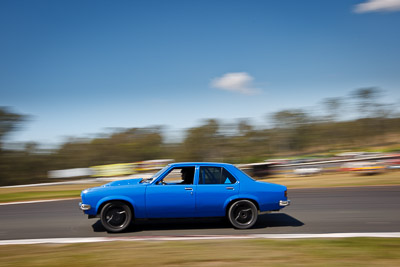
215, 175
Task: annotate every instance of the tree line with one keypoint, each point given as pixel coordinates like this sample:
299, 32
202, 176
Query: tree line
288, 132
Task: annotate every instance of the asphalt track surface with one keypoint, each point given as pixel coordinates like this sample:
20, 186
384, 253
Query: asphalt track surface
313, 211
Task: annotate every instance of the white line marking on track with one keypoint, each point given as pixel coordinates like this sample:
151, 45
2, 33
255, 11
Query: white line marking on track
36, 201
187, 238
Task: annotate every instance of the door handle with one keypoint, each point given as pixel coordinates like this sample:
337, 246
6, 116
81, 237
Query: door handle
188, 188
229, 188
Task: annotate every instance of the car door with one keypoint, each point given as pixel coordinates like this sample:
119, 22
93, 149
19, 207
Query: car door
215, 186
171, 196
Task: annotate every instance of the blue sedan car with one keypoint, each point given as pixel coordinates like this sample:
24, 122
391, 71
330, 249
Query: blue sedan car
184, 190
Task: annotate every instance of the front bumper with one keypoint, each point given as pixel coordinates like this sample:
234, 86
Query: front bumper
84, 207
284, 203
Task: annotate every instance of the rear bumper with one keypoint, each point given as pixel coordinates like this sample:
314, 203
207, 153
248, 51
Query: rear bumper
284, 203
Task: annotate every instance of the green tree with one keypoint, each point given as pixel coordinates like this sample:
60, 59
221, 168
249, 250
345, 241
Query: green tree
202, 143
291, 127
367, 100
9, 121
333, 106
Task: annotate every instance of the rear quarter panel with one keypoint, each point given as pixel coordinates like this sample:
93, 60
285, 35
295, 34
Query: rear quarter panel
267, 195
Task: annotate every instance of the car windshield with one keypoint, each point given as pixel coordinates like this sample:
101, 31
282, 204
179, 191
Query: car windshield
155, 176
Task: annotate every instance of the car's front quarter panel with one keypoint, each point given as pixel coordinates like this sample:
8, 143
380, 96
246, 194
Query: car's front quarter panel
97, 196
90, 197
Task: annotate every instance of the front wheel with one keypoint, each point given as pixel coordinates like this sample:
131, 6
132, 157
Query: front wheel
243, 214
116, 216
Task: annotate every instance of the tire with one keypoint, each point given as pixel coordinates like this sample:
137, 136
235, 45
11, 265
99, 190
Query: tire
116, 216
242, 214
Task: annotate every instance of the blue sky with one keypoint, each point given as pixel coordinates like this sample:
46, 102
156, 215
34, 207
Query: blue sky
80, 67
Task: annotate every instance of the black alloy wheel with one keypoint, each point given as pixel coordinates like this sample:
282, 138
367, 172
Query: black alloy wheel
116, 216
243, 214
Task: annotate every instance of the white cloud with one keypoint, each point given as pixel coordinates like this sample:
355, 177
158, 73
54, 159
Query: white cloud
240, 82
378, 5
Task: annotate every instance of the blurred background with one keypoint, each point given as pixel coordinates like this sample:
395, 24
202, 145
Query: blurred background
100, 88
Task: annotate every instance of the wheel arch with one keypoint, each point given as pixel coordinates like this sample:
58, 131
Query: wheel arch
230, 202
123, 199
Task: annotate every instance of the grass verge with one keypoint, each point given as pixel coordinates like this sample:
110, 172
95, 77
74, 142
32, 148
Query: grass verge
42, 192
262, 252
26, 196
337, 179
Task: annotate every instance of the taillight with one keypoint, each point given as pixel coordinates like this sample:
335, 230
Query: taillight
285, 193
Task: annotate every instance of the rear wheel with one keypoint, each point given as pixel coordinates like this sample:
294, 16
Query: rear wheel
242, 214
116, 216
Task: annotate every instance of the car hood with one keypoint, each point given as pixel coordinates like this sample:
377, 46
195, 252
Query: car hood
124, 182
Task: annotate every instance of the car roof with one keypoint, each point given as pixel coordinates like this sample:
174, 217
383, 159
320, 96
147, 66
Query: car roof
219, 164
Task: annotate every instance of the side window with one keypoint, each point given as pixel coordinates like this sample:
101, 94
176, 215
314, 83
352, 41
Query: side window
215, 175
181, 175
227, 177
